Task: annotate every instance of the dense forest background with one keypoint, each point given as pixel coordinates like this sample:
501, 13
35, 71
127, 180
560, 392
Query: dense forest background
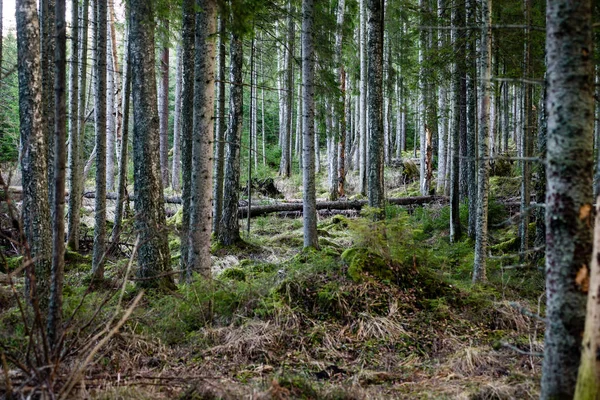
299, 199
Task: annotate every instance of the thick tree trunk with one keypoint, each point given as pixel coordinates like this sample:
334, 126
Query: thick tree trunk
176, 166
77, 122
36, 212
569, 164
340, 103
187, 111
100, 14
309, 209
54, 322
163, 106
221, 129
153, 255
230, 230
203, 141
481, 227
471, 122
48, 44
375, 49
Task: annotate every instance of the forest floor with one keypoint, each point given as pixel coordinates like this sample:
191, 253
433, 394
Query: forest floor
382, 310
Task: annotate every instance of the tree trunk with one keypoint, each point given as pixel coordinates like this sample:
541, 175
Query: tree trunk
163, 106
375, 50
340, 103
188, 30
285, 166
471, 153
77, 122
230, 230
36, 212
221, 129
203, 140
481, 226
48, 43
309, 209
54, 325
100, 14
153, 255
111, 121
569, 164
363, 135
176, 166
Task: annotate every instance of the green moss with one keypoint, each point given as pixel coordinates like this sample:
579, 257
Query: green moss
11, 263
236, 274
363, 263
177, 219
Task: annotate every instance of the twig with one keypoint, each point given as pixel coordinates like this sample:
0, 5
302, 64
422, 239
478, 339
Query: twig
518, 350
525, 311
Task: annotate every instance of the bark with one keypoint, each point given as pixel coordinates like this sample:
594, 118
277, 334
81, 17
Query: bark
332, 152
163, 106
54, 322
117, 74
309, 209
597, 132
36, 212
48, 44
111, 121
176, 166
362, 37
230, 230
285, 166
187, 111
153, 255
341, 101
375, 50
540, 183
100, 14
481, 227
569, 163
471, 139
203, 140
220, 130
122, 180
77, 122
457, 123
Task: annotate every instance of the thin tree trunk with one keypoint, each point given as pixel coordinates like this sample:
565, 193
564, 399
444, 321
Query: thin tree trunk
285, 166
203, 141
481, 232
309, 210
340, 103
48, 43
54, 324
100, 14
221, 129
111, 122
176, 166
163, 107
77, 122
362, 37
569, 200
188, 30
230, 230
471, 122
154, 257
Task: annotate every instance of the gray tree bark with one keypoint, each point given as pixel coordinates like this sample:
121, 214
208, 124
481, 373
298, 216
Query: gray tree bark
77, 119
221, 129
285, 165
363, 135
153, 255
187, 111
203, 140
309, 197
230, 229
375, 50
471, 122
163, 106
36, 211
48, 44
100, 15
111, 120
569, 163
54, 322
176, 166
481, 226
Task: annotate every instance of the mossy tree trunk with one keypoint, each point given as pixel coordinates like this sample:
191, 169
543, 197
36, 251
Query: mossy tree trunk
569, 166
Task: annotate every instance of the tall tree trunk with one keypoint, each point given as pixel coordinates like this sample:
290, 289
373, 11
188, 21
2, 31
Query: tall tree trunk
123, 150
100, 14
153, 255
442, 107
176, 166
48, 44
363, 135
375, 50
54, 327
35, 209
340, 103
188, 41
203, 140
423, 77
285, 166
221, 129
117, 75
163, 106
77, 122
459, 105
309, 210
481, 228
569, 163
470, 161
230, 229
111, 121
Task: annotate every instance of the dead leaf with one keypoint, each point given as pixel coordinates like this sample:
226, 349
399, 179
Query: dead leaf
583, 279
585, 211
